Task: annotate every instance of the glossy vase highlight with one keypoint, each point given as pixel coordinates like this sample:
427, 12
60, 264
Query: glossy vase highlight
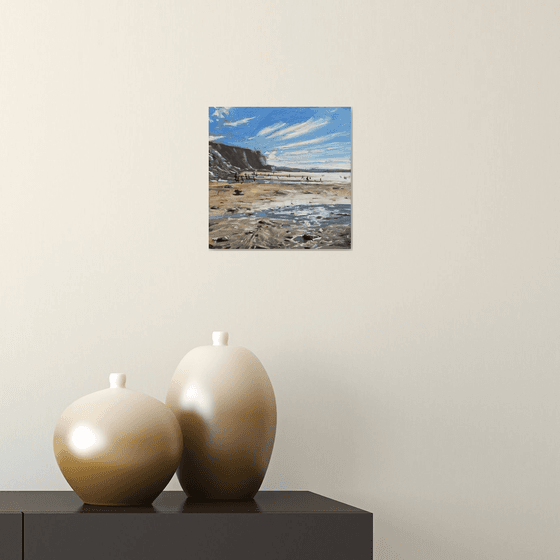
226, 408
117, 447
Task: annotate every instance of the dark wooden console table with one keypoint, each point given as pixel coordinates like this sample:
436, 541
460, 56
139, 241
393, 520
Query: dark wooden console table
273, 526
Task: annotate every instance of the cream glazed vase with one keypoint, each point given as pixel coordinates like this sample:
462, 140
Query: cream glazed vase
117, 447
226, 408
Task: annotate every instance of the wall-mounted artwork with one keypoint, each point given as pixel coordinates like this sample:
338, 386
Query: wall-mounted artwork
280, 177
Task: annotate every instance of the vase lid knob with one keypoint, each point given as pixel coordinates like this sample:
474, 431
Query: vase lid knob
220, 338
117, 380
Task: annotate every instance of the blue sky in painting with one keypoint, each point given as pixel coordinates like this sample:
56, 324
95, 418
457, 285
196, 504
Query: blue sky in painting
302, 137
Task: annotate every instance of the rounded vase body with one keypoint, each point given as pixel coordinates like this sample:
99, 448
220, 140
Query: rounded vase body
117, 447
225, 405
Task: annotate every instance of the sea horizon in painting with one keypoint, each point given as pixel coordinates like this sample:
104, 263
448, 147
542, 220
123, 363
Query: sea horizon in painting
280, 178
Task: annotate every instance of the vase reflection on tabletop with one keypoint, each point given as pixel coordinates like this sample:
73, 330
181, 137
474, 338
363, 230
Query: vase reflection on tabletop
225, 405
117, 447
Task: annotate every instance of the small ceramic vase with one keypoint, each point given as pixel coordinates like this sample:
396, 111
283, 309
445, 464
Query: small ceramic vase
225, 404
117, 447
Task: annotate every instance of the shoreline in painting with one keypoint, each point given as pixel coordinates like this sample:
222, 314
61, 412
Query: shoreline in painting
281, 210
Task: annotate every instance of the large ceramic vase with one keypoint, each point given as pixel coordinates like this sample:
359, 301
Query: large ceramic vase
226, 408
118, 447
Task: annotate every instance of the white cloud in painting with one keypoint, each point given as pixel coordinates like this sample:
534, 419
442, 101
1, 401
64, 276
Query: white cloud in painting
299, 129
307, 161
212, 137
271, 128
272, 157
240, 122
321, 150
221, 112
313, 141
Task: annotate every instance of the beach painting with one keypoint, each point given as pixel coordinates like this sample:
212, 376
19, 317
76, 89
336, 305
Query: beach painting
280, 178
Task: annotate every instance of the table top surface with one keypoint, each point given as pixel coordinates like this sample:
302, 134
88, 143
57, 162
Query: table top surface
176, 502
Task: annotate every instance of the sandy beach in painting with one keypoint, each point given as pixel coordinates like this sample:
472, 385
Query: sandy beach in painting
281, 210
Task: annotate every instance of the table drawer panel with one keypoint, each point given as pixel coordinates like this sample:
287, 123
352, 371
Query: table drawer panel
205, 536
11, 535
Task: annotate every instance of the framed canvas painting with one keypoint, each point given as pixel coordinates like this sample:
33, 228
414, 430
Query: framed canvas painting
280, 178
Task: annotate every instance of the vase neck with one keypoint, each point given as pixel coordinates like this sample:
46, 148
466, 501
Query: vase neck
220, 338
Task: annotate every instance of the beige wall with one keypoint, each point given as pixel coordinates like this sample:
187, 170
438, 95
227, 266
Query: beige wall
416, 375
